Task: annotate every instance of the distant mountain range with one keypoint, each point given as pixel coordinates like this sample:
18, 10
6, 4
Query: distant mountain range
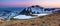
11, 12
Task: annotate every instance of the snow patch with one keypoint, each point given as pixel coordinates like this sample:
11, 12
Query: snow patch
40, 14
23, 17
28, 17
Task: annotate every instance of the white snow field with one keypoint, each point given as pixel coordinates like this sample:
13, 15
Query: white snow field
28, 17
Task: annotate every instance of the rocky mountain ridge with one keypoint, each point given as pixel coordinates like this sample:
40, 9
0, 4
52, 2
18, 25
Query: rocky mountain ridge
26, 11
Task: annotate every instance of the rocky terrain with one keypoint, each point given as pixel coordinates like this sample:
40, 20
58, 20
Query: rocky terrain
48, 20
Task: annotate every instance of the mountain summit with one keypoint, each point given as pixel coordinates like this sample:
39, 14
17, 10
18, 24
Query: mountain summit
36, 6
36, 9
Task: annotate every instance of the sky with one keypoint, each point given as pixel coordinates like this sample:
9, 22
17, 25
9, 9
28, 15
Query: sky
44, 3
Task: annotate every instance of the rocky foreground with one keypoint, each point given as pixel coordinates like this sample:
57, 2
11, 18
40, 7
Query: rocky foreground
48, 20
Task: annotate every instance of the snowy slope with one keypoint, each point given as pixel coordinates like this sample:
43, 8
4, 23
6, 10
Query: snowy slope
28, 17
15, 12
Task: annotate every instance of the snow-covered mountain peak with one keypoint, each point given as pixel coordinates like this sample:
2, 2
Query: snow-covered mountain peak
36, 7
